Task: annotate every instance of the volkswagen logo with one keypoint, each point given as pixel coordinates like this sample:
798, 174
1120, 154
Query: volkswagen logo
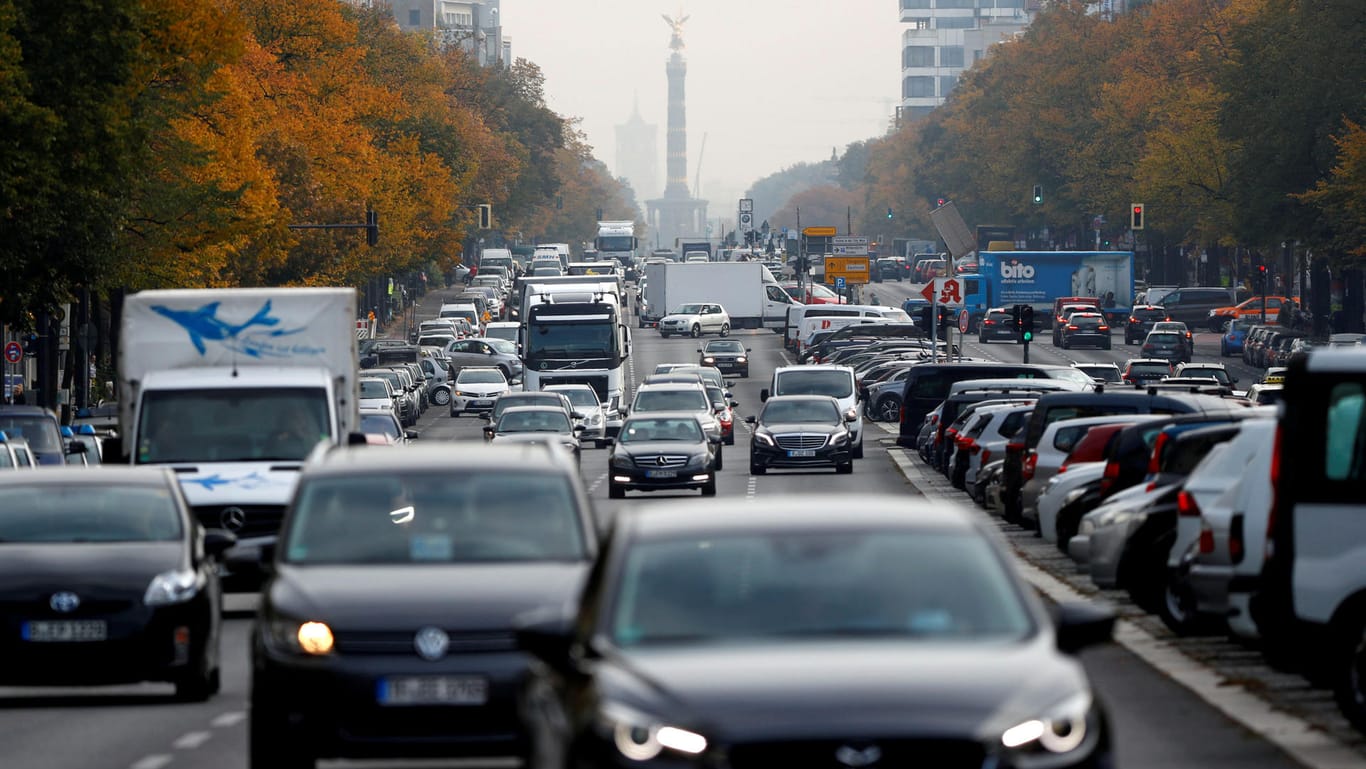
858, 757
64, 602
233, 518
431, 643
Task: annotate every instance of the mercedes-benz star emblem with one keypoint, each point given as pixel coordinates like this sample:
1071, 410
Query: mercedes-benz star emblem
233, 518
858, 757
661, 461
431, 643
64, 602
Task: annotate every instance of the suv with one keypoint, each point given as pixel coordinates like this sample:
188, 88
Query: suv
1167, 345
998, 323
1064, 315
890, 268
38, 428
1141, 320
834, 381
1192, 305
1141, 371
1086, 328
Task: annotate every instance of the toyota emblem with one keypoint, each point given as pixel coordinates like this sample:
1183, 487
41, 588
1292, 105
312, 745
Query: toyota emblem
64, 602
233, 518
858, 757
431, 643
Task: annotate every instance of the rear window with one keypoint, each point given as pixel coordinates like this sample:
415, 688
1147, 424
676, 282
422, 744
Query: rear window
1067, 437
1344, 434
1013, 423
1148, 369
1150, 315
1164, 338
999, 316
1087, 322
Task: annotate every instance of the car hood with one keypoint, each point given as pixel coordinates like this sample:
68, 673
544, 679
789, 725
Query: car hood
783, 428
659, 447
677, 317
87, 569
475, 596
852, 688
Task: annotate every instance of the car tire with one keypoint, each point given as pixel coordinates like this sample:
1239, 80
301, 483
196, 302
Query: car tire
1349, 681
199, 685
696, 331
615, 492
441, 397
1177, 609
857, 451
1107, 346
725, 329
844, 469
664, 335
709, 488
455, 414
757, 469
889, 408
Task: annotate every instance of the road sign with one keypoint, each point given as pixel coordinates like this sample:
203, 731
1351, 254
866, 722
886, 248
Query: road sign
14, 352
819, 232
746, 205
850, 269
850, 240
946, 291
848, 245
840, 283
746, 221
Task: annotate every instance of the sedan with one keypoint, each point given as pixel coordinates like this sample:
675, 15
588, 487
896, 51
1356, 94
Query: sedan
1086, 328
997, 325
789, 636
662, 451
801, 431
476, 389
728, 355
106, 578
524, 424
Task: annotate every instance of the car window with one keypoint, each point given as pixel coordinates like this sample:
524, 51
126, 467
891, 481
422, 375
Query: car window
373, 388
807, 411
671, 400
1164, 338
1344, 443
39, 430
835, 383
645, 430
379, 424
88, 513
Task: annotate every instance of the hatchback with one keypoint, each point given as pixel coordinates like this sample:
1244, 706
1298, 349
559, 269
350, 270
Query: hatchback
1168, 345
1086, 328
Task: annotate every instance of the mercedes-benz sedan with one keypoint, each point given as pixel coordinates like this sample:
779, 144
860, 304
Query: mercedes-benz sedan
800, 431
660, 451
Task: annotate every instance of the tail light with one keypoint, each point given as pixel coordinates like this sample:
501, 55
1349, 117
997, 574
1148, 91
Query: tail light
1031, 462
1236, 547
1132, 319
988, 322
1110, 477
1275, 494
1071, 328
1015, 447
1206, 540
1186, 506
986, 456
972, 446
1154, 461
1104, 328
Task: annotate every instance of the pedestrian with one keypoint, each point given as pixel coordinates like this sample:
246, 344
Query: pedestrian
1285, 317
18, 398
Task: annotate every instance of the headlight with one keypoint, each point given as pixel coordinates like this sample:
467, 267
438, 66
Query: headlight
172, 587
764, 438
840, 439
311, 638
641, 738
623, 461
1062, 729
741, 359
708, 360
594, 418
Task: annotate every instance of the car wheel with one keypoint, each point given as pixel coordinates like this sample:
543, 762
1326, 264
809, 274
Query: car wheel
664, 334
844, 469
441, 397
709, 488
725, 329
455, 414
1177, 608
1349, 683
857, 452
889, 408
756, 469
615, 492
696, 331
199, 685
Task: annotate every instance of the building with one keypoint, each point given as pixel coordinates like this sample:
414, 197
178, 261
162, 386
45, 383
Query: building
946, 37
469, 24
637, 157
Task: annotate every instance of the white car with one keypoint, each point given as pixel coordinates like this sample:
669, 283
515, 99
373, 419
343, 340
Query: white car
503, 329
376, 393
476, 388
585, 400
695, 320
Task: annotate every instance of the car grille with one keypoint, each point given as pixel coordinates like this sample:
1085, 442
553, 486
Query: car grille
825, 754
400, 642
661, 460
254, 520
801, 441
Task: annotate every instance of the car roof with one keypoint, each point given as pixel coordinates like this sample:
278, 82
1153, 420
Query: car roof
808, 513
438, 456
681, 384
92, 475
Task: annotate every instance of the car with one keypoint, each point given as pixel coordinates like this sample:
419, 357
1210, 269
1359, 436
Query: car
1265, 394
1103, 373
727, 355
1085, 328
681, 396
1180, 328
800, 432
1192, 304
522, 424
1234, 336
1216, 371
38, 428
584, 401
708, 374
771, 639
997, 325
466, 310
1251, 309
662, 451
725, 412
14, 453
505, 330
890, 268
1065, 310
395, 590
930, 268
485, 351
405, 401
1141, 320
377, 392
107, 578
383, 421
1167, 345
475, 390
834, 381
523, 398
1140, 371
695, 320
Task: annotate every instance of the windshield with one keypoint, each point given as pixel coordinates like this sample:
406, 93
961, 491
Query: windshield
1150, 315
502, 333
1149, 369
436, 518
581, 397
373, 388
1103, 373
671, 400
642, 430
237, 425
561, 339
379, 424
823, 292
688, 309
491, 376
743, 587
541, 421
616, 243
39, 430
807, 410
724, 346
88, 513
835, 383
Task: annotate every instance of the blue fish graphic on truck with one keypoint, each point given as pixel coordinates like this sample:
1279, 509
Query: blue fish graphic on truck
204, 323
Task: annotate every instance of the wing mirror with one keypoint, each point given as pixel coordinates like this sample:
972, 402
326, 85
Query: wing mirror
751, 420
218, 541
411, 435
488, 432
734, 404
763, 394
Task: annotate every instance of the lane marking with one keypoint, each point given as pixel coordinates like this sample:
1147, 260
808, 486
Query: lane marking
152, 762
1301, 740
597, 483
752, 489
191, 740
228, 719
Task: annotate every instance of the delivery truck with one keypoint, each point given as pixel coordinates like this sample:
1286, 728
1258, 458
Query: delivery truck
748, 291
233, 388
1037, 278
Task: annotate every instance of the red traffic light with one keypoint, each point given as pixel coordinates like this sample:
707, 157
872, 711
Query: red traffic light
1136, 217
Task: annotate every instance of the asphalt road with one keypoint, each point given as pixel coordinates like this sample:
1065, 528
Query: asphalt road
1157, 723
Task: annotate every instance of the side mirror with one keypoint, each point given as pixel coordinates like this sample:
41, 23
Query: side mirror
579, 415
763, 395
748, 350
851, 416
699, 349
411, 434
734, 404
1079, 625
218, 541
751, 420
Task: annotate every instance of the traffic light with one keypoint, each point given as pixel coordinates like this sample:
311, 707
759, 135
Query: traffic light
1015, 317
1026, 324
1136, 216
941, 201
1038, 194
1261, 279
31, 344
371, 228
485, 216
889, 213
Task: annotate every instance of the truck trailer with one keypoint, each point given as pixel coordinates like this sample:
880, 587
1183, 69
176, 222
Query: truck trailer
748, 291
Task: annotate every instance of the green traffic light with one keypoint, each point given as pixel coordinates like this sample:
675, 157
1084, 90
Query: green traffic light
1029, 336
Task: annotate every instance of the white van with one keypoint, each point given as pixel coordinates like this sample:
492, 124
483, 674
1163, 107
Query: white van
798, 313
835, 381
466, 310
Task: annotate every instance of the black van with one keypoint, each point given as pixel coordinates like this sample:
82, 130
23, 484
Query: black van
927, 386
1191, 305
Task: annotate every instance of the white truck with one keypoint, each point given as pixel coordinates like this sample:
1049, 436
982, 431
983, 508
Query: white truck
234, 388
748, 291
574, 334
617, 240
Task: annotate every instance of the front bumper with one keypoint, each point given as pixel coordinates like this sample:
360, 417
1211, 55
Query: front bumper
730, 365
476, 404
764, 455
637, 479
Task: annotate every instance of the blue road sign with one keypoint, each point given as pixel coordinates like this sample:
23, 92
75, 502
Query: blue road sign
839, 283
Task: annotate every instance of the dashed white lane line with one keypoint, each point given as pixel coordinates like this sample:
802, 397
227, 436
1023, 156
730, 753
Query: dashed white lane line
152, 762
752, 489
1297, 737
596, 483
228, 719
192, 740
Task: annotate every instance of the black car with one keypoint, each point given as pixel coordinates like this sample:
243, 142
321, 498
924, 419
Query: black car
997, 325
106, 578
1168, 345
801, 431
791, 637
662, 451
386, 626
1141, 320
728, 355
1086, 328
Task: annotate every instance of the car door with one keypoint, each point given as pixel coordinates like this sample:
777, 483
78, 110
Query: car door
776, 305
462, 354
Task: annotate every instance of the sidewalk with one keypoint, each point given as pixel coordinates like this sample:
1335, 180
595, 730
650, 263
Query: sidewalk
426, 308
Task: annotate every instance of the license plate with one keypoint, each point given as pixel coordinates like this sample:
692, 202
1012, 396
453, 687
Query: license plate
661, 473
481, 403
796, 453
65, 631
433, 690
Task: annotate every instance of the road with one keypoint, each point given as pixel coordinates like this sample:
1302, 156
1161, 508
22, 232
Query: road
1157, 721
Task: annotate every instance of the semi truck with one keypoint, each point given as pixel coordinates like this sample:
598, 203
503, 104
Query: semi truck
233, 388
617, 240
1037, 278
574, 334
748, 291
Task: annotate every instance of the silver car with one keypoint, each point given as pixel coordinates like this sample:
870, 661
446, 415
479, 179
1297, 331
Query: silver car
483, 352
585, 400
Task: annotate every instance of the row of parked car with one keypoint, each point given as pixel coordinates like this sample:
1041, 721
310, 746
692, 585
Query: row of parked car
1214, 514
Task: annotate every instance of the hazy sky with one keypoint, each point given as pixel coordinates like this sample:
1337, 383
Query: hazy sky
770, 82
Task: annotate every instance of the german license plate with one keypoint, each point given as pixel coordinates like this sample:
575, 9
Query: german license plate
433, 690
661, 473
65, 631
481, 403
798, 453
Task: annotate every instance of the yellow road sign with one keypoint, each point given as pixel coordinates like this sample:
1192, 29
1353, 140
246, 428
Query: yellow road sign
854, 269
819, 232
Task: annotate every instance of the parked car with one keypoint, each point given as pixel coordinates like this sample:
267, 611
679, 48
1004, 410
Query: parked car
1103, 373
1192, 305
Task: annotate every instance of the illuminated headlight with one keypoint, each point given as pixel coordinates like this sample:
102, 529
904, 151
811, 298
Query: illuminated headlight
764, 438
708, 359
173, 587
1062, 730
311, 638
741, 359
640, 738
